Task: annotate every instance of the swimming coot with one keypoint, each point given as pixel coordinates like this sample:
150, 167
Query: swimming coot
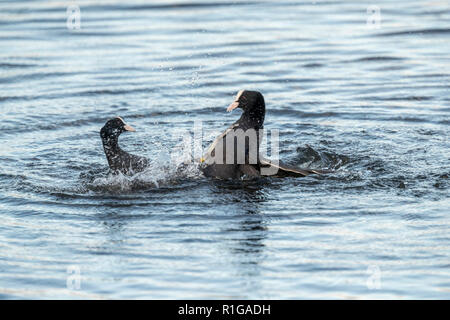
119, 160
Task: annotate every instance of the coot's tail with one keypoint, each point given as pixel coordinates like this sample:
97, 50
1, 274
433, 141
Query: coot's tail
279, 169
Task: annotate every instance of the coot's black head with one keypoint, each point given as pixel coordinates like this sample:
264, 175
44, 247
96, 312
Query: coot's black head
252, 103
113, 128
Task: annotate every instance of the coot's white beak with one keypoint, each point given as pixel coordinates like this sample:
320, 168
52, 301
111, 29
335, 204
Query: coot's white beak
235, 104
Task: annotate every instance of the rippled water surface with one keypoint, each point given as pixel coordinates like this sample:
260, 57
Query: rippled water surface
373, 104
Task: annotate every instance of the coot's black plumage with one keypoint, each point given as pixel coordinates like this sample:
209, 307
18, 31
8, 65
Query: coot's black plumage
254, 110
119, 160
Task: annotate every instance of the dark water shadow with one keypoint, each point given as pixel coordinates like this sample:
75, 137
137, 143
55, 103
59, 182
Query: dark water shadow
248, 228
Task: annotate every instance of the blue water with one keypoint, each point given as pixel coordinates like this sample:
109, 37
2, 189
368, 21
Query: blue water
370, 101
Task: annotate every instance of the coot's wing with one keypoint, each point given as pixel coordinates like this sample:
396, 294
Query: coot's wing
219, 140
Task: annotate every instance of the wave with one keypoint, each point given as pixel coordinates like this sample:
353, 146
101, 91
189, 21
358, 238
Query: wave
308, 157
431, 31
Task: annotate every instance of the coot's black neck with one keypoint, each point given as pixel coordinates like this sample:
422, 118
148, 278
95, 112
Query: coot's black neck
110, 143
112, 149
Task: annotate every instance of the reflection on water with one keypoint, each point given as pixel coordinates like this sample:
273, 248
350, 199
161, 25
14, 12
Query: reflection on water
245, 237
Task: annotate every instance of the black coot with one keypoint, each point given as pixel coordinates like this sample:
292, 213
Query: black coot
244, 135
